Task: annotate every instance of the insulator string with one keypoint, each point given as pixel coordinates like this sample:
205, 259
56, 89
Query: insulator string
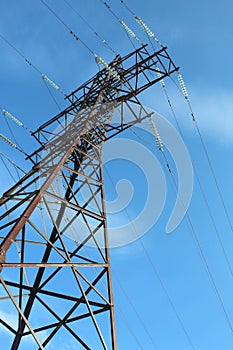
140, 22
156, 135
122, 23
15, 119
43, 76
12, 144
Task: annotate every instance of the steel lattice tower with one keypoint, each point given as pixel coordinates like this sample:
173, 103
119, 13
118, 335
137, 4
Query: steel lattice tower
53, 287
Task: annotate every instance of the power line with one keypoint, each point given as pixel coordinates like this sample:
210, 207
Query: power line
201, 187
195, 172
183, 90
149, 33
43, 76
214, 176
51, 94
196, 240
127, 29
130, 328
135, 311
67, 27
97, 58
185, 94
94, 54
197, 243
156, 272
13, 163
7, 168
103, 41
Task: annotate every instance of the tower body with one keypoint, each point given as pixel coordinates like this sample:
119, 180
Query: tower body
54, 252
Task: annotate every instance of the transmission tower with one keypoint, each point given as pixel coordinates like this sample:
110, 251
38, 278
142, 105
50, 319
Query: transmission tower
58, 290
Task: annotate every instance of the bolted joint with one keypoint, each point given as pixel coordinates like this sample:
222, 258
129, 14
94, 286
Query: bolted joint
2, 258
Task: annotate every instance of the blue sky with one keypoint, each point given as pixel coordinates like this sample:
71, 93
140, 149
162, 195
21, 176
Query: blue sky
164, 278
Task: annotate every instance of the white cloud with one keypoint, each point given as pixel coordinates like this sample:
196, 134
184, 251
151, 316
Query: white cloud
214, 111
12, 320
9, 318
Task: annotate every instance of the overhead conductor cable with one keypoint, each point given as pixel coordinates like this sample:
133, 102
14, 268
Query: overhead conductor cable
185, 94
155, 269
142, 24
195, 172
55, 86
12, 163
91, 28
122, 23
194, 235
97, 58
67, 27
